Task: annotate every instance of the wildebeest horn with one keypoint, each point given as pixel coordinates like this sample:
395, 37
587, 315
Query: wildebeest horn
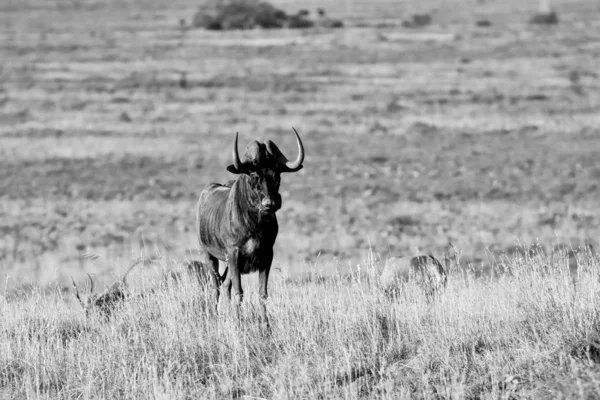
77, 293
92, 285
122, 281
284, 164
297, 163
236, 156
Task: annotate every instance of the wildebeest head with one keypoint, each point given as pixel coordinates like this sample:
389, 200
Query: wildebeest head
263, 163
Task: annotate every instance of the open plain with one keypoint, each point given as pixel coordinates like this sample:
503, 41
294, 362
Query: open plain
115, 114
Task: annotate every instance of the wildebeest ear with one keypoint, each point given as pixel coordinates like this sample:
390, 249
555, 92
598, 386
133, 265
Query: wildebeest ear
231, 168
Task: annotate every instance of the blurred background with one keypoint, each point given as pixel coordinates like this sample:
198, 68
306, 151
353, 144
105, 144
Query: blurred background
424, 122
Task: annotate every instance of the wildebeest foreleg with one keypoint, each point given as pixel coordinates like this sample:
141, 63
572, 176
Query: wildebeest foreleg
263, 279
234, 261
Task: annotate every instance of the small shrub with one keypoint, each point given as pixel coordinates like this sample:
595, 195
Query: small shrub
484, 23
547, 18
418, 21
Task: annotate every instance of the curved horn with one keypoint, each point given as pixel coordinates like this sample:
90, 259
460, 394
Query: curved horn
235, 155
77, 293
293, 166
138, 261
92, 285
122, 282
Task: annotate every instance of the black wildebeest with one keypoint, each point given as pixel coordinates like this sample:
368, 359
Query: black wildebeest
236, 223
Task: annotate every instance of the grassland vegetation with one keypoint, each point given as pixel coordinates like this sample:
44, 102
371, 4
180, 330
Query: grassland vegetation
527, 334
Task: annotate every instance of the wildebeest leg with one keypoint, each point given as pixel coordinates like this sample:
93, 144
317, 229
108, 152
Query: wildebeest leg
235, 275
263, 280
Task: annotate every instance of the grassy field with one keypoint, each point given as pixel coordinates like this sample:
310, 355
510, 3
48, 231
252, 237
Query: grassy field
483, 136
528, 334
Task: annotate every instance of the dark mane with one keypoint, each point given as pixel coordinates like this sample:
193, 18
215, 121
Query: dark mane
242, 219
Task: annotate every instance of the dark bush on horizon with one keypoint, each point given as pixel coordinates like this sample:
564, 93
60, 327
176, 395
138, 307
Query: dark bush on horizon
545, 18
250, 14
418, 21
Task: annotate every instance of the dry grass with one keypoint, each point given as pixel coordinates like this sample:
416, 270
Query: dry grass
528, 334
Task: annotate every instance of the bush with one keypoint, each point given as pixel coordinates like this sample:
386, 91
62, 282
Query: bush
249, 14
418, 21
549, 18
240, 14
